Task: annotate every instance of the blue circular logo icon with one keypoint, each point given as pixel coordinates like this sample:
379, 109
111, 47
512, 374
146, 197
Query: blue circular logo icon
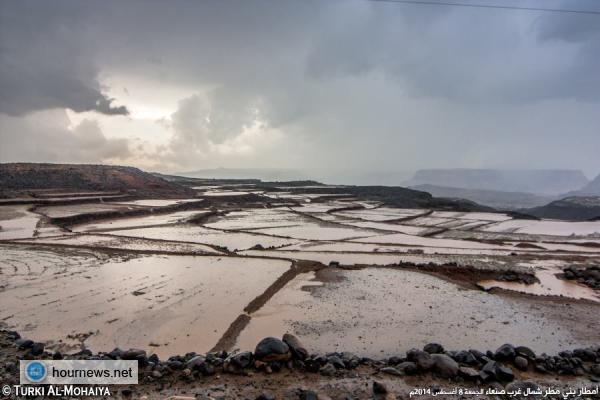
35, 371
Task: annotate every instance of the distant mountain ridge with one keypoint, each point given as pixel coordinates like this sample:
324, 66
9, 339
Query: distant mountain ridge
35, 176
544, 182
264, 174
492, 198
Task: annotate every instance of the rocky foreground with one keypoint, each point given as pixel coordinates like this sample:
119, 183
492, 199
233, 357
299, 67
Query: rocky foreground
284, 369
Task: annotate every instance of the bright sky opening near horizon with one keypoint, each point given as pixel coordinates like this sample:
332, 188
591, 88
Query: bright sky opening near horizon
311, 85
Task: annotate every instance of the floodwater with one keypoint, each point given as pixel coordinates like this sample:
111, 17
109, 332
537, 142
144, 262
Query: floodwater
316, 231
17, 222
380, 312
125, 243
156, 202
147, 220
547, 227
198, 234
71, 287
166, 304
257, 218
549, 285
76, 209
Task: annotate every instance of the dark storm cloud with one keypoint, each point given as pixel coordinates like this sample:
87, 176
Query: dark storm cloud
388, 86
46, 61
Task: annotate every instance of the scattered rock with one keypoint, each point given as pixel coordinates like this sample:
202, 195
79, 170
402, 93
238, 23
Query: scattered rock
422, 359
133, 354
506, 352
391, 371
521, 363
433, 348
379, 388
265, 396
444, 366
327, 370
37, 349
296, 347
504, 373
272, 349
408, 368
308, 395
525, 352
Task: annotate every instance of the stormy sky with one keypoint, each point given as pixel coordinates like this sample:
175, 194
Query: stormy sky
344, 86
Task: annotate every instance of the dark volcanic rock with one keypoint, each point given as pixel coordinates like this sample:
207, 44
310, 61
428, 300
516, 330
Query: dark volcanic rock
421, 358
265, 396
488, 372
504, 373
308, 395
296, 347
433, 348
24, 343
408, 367
241, 360
195, 362
37, 349
444, 366
521, 363
133, 354
327, 370
379, 388
525, 352
465, 357
391, 371
272, 349
506, 352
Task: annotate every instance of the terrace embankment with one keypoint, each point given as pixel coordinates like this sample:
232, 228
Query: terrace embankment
249, 200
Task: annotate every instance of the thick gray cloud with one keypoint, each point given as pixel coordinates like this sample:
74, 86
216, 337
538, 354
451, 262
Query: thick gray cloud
47, 136
332, 85
46, 60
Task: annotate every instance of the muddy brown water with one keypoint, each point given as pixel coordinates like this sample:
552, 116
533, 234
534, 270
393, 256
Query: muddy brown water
381, 312
166, 304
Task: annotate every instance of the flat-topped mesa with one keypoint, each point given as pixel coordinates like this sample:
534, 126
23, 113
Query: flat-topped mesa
24, 177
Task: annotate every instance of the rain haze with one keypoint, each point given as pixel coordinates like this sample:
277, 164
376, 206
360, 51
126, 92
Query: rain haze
337, 89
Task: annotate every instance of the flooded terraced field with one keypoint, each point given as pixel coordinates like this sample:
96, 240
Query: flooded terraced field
228, 273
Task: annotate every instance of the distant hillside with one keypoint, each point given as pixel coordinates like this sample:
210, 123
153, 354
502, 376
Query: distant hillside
30, 176
397, 196
492, 198
264, 174
545, 182
592, 188
570, 208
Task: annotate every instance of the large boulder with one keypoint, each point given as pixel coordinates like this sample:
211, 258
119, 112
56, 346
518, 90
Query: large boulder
272, 349
434, 348
296, 347
444, 366
421, 358
526, 352
506, 352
